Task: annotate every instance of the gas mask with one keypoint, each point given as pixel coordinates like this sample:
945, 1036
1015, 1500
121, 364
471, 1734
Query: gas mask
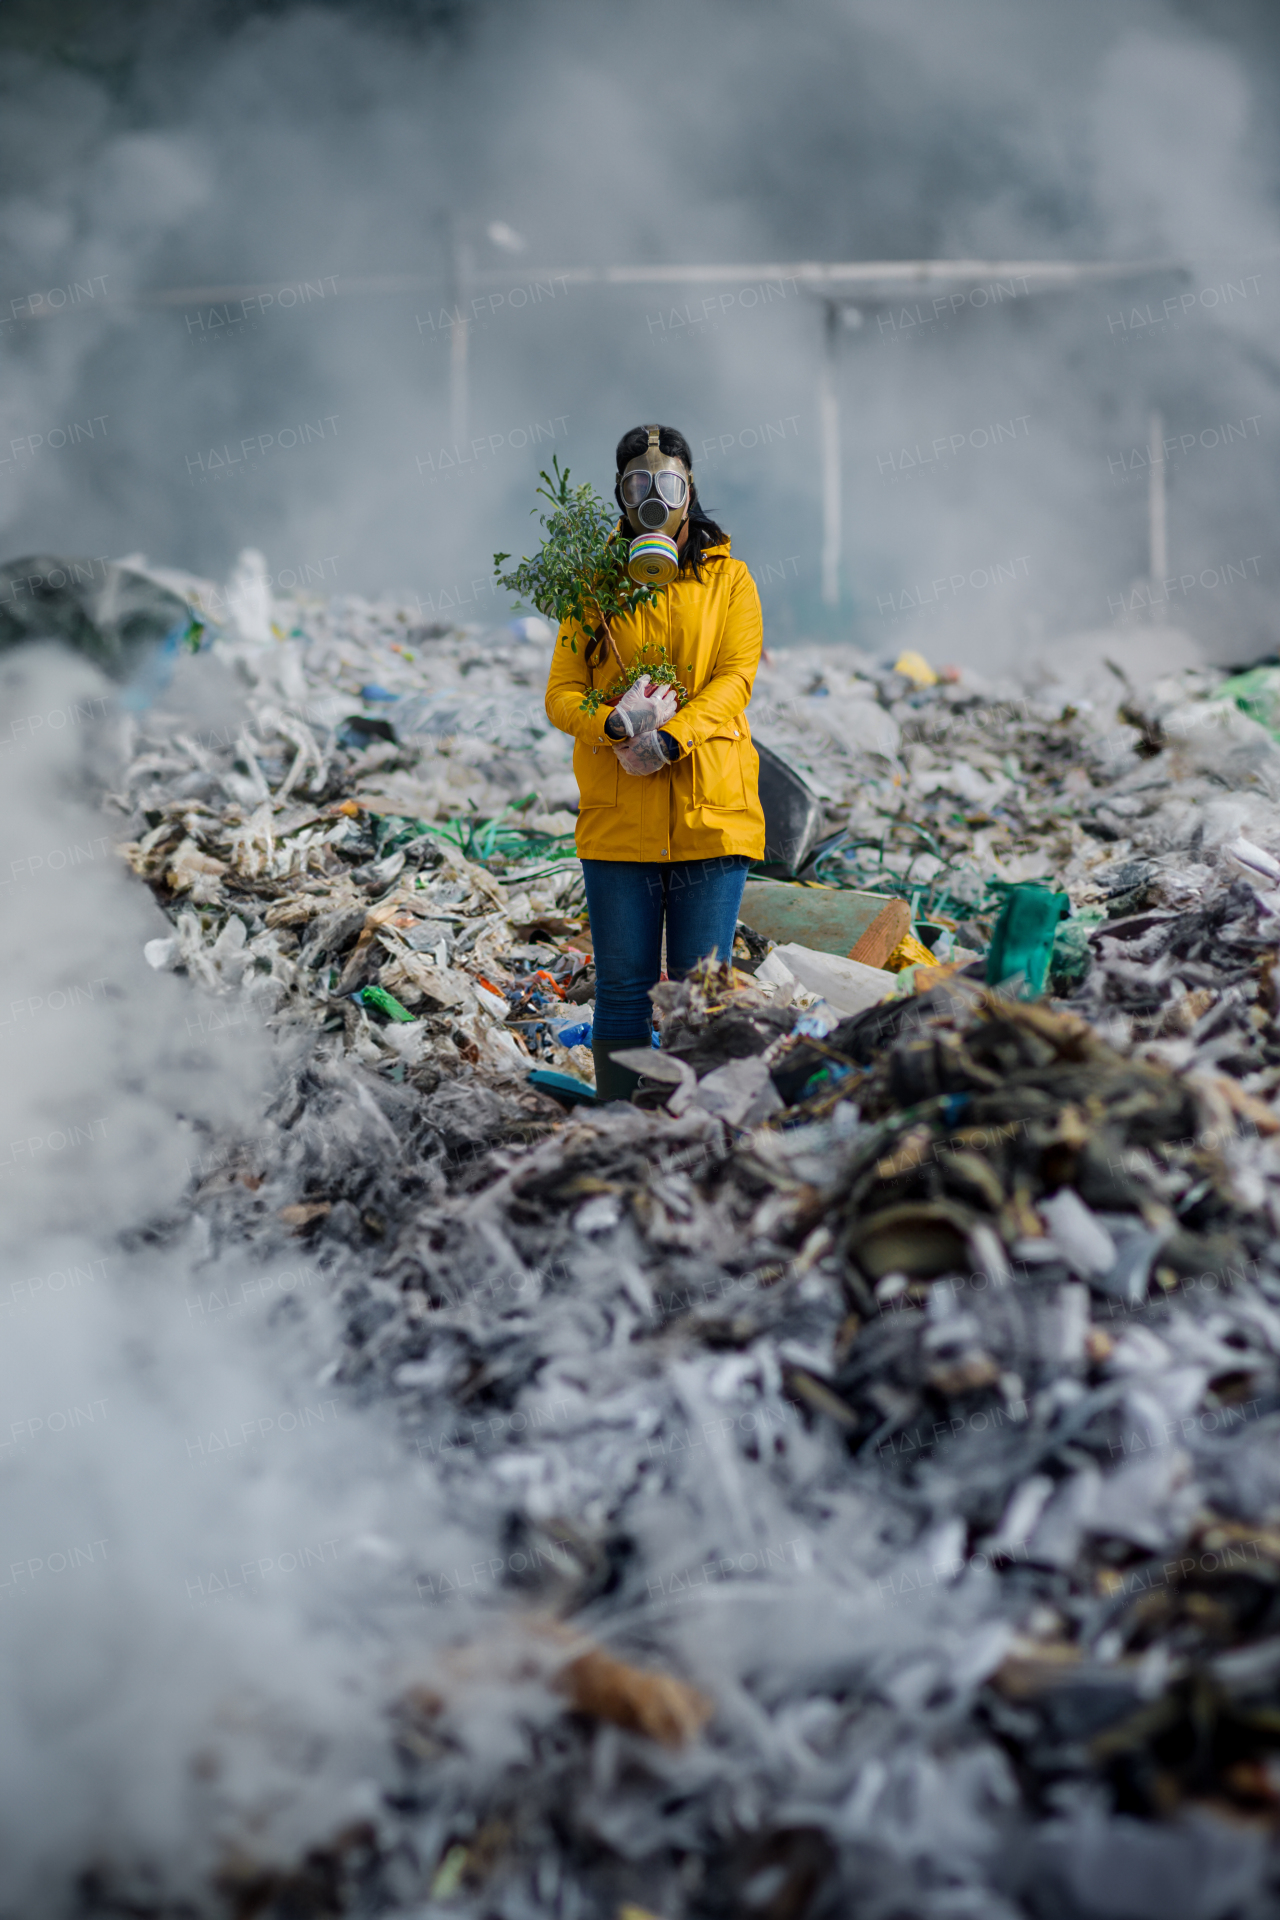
655, 495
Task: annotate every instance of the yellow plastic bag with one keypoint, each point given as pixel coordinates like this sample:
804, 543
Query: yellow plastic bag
909, 952
915, 668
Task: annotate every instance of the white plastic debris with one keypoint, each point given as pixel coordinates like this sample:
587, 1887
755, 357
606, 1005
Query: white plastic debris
740, 1093
847, 985
1078, 1234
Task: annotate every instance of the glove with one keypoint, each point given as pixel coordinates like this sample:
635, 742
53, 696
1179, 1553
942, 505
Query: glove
645, 754
642, 711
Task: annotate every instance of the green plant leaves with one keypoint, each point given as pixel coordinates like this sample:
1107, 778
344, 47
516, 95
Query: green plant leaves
580, 571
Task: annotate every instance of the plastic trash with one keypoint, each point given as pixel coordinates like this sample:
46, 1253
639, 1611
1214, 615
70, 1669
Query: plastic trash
562, 1087
909, 952
792, 814
818, 1020
915, 668
741, 1092
1022, 942
575, 1034
123, 620
532, 627
1257, 693
385, 1002
1070, 958
360, 730
845, 984
1077, 1233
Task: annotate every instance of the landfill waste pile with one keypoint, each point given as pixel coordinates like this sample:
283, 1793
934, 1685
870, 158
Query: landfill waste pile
867, 1438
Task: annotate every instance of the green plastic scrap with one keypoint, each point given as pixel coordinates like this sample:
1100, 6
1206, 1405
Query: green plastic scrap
448, 1876
385, 1003
564, 1087
476, 839
1023, 940
858, 864
1256, 693
1071, 958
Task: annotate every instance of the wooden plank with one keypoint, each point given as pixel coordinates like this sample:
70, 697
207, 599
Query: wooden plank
861, 926
883, 935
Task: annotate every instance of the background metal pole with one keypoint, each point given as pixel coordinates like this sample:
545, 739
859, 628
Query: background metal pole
459, 372
829, 432
1157, 517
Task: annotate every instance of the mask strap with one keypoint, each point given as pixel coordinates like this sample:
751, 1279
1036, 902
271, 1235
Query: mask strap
653, 446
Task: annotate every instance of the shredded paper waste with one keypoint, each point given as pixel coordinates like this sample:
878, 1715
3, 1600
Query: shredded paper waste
867, 1437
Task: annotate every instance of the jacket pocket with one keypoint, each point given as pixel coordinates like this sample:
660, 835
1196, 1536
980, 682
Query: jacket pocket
717, 773
596, 771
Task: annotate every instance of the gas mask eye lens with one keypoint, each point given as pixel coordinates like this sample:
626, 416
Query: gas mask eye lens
673, 487
635, 486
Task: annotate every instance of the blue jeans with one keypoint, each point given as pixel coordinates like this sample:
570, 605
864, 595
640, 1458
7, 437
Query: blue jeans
627, 901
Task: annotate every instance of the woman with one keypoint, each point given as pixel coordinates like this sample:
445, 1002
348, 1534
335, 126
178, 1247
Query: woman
669, 817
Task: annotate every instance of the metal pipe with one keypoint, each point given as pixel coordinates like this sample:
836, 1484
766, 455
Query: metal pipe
458, 382
815, 275
1157, 520
829, 440
459, 371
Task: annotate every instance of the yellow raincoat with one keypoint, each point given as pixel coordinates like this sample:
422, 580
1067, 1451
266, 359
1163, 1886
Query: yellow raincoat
707, 802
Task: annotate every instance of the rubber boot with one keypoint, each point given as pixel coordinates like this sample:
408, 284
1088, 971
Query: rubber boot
614, 1082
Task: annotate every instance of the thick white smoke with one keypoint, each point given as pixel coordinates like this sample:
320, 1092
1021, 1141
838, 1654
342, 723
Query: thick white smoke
202, 1546
278, 175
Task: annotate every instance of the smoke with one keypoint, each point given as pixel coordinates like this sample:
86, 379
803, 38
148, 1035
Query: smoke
202, 1547
286, 166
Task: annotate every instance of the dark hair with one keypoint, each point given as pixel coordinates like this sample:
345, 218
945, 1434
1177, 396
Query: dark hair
704, 532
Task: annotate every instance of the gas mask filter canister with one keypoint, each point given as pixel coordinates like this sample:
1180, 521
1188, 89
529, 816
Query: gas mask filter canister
655, 494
